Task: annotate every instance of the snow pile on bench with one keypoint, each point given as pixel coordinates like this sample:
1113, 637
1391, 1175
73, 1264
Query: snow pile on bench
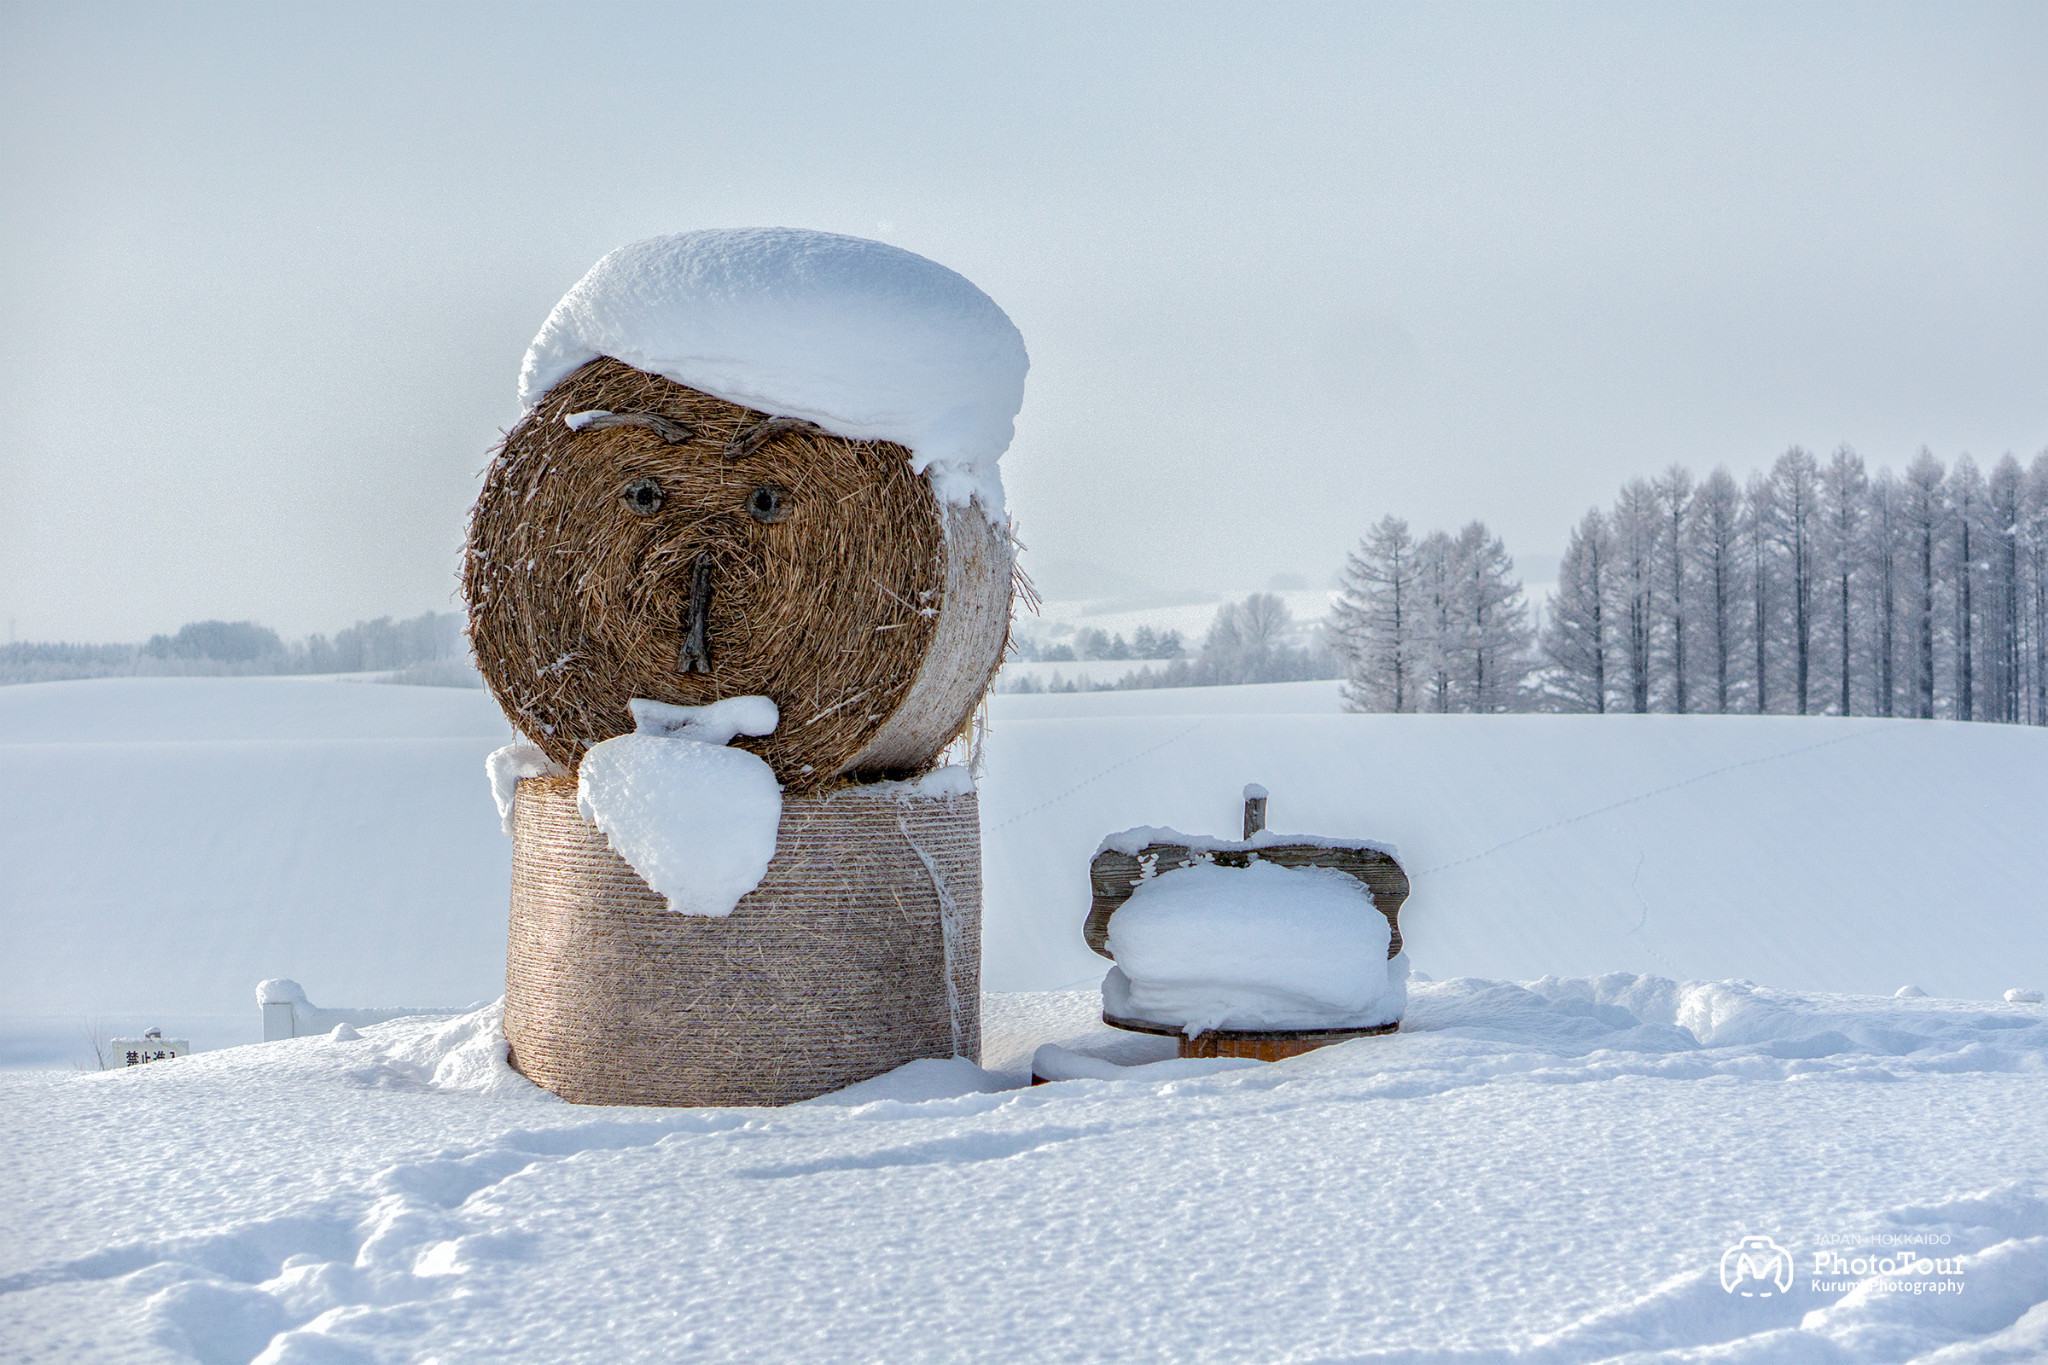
1255, 947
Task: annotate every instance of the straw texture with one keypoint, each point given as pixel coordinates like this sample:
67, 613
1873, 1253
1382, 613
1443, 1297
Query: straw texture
834, 970
685, 549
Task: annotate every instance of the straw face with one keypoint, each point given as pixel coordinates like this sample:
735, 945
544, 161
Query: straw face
674, 546
839, 967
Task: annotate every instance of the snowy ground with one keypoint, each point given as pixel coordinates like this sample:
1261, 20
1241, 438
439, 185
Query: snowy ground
1548, 1171
1542, 1173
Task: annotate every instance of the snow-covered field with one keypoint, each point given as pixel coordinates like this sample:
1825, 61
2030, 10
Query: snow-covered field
1544, 1171
169, 842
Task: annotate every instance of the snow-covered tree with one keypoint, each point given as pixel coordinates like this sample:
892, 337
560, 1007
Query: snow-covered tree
1759, 515
1264, 623
1440, 623
1923, 518
1716, 542
2034, 543
2003, 496
1966, 507
1434, 625
1373, 622
1576, 630
1252, 641
1816, 588
1147, 643
1638, 525
1493, 647
1795, 481
1882, 558
1845, 506
1674, 490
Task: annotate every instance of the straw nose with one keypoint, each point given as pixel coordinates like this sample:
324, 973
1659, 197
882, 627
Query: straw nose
695, 655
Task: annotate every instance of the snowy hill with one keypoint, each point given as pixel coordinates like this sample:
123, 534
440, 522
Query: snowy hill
170, 842
1823, 854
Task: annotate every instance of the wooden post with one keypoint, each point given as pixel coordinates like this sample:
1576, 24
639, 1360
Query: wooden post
1254, 809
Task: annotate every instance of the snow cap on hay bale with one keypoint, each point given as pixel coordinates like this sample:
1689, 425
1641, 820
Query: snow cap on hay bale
754, 462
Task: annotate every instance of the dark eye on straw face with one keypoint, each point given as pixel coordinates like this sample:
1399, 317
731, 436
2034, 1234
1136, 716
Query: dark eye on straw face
767, 503
643, 496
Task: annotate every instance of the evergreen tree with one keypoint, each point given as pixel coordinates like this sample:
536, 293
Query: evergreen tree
1494, 643
1374, 621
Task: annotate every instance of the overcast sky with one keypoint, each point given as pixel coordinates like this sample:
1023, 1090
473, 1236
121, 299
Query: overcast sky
268, 273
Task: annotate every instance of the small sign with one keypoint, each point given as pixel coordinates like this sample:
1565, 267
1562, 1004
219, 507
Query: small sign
136, 1051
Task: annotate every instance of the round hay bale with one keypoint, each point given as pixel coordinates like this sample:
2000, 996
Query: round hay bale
860, 951
685, 549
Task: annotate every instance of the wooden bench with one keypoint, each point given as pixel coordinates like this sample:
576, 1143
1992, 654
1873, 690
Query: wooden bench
1115, 873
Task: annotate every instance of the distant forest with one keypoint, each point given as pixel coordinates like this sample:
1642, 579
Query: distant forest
426, 649
1254, 641
1814, 589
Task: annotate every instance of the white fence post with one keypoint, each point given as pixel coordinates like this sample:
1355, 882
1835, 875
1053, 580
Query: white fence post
280, 1020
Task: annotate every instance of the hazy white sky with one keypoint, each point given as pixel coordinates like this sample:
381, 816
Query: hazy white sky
268, 272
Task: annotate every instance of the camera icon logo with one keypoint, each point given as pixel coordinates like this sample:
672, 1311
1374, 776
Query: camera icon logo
1756, 1268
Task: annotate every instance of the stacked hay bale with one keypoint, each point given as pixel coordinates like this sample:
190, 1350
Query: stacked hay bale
642, 537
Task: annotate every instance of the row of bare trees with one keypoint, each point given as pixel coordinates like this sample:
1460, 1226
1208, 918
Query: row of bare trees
1814, 589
